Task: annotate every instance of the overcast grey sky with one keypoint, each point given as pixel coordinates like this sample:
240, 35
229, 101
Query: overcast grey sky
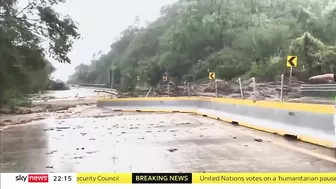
99, 22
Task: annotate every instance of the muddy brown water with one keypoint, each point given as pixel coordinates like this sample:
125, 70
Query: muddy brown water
75, 91
145, 142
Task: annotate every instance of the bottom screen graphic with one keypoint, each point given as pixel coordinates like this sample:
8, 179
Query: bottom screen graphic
178, 178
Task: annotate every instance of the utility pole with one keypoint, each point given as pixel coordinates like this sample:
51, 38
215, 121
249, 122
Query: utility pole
112, 82
112, 79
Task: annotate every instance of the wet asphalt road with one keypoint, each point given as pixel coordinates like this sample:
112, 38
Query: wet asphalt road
145, 142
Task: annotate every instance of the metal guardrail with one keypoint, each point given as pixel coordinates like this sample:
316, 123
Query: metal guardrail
93, 85
318, 88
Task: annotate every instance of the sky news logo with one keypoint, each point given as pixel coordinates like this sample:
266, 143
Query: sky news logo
34, 178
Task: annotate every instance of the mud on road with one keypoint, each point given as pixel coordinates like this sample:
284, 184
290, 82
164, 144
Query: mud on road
98, 140
43, 110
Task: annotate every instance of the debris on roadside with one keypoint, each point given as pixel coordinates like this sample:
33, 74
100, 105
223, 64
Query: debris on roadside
172, 150
49, 153
92, 152
258, 139
61, 128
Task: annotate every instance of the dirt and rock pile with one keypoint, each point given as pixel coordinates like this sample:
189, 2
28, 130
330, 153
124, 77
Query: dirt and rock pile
264, 90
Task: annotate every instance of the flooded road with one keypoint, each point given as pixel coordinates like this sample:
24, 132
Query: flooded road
51, 104
104, 141
74, 93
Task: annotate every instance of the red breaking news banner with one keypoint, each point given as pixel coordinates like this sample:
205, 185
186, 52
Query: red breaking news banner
38, 178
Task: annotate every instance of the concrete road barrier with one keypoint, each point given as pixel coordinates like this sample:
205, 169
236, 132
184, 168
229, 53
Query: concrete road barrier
311, 123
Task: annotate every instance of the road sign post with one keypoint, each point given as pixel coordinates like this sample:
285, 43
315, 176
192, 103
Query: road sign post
291, 62
282, 81
188, 89
290, 76
216, 88
138, 85
241, 88
149, 91
165, 79
111, 80
254, 88
212, 76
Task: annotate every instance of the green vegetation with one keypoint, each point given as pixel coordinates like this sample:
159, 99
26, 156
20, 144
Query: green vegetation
58, 85
191, 37
232, 37
23, 66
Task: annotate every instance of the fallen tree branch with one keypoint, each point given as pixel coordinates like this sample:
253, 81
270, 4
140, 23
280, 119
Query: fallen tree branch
108, 92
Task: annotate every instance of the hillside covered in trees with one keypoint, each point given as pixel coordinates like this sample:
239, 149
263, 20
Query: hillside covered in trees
24, 68
234, 38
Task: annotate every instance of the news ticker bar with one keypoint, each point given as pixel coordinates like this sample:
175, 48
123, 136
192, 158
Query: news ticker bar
206, 178
186, 178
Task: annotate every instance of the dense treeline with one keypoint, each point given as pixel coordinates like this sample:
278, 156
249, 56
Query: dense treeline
234, 38
23, 65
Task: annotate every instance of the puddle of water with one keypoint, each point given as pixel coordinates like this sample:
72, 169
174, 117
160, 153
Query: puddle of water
83, 143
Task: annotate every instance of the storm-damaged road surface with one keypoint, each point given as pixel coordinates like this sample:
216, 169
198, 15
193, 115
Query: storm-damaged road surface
147, 142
